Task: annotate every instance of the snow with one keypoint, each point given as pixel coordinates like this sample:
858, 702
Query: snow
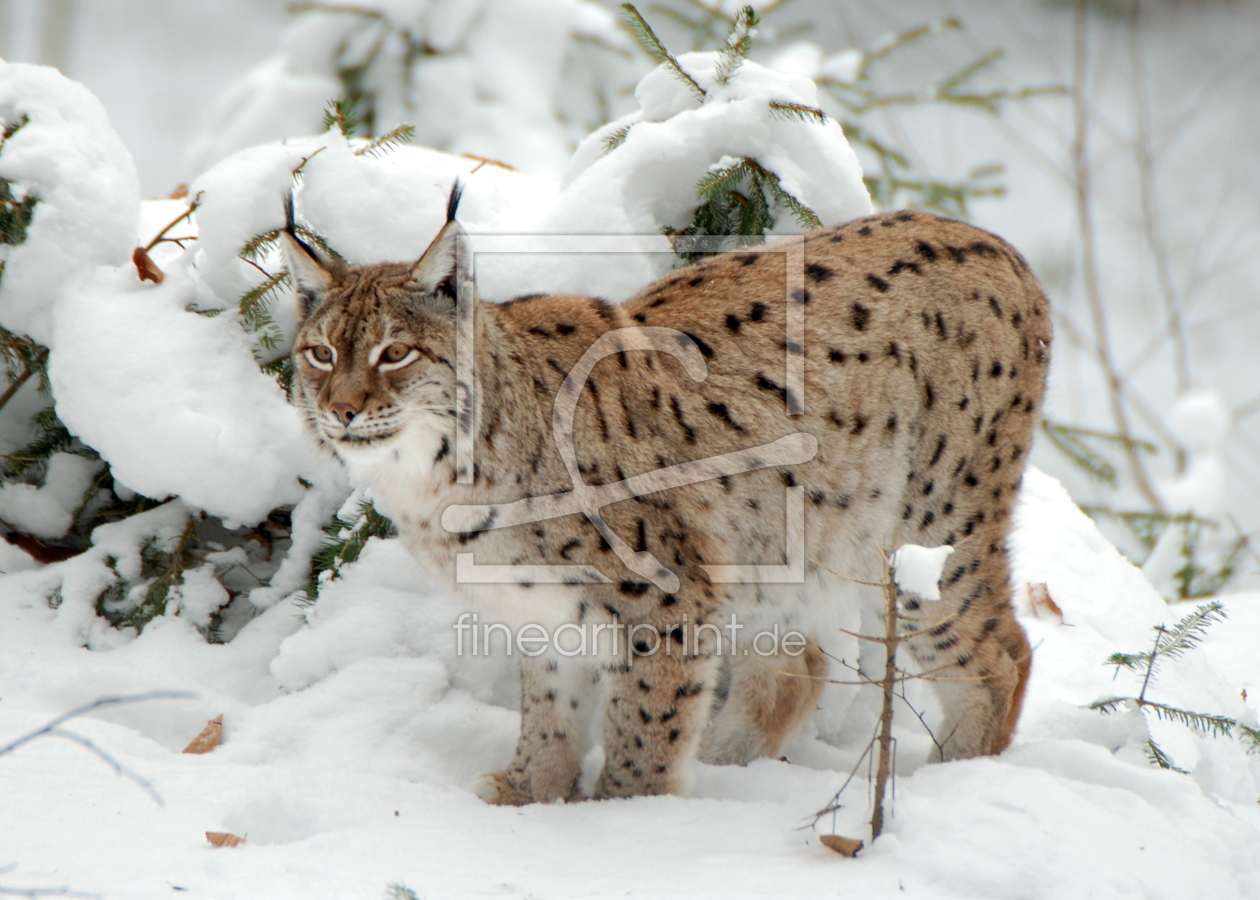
227, 443
349, 742
69, 157
917, 570
48, 511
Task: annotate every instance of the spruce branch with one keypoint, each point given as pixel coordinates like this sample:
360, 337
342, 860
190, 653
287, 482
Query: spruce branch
397, 137
1172, 643
1074, 443
737, 46
51, 437
347, 538
1250, 738
804, 216
1216, 726
616, 138
653, 47
738, 202
798, 112
1158, 757
257, 247
342, 115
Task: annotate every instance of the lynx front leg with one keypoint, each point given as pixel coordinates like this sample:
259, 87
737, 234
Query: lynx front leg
657, 707
558, 696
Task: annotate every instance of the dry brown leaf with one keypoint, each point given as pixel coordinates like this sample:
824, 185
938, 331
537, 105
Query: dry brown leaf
842, 845
209, 737
224, 839
146, 267
1039, 598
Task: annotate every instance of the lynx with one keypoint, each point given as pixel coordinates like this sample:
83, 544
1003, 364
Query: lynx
924, 360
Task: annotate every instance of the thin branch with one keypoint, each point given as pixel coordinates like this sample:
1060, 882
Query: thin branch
161, 235
27, 371
53, 729
1150, 220
1089, 240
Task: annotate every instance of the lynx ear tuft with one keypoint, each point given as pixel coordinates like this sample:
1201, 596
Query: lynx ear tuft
443, 274
312, 272
311, 279
452, 202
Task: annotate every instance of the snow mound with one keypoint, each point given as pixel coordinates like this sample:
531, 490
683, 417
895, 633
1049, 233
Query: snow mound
69, 157
917, 570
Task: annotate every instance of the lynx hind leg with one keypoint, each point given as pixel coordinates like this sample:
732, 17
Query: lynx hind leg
973, 649
558, 698
764, 700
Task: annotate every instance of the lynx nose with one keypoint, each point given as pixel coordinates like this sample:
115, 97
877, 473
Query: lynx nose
344, 412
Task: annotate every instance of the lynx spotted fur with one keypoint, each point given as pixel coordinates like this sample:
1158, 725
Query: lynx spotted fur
925, 355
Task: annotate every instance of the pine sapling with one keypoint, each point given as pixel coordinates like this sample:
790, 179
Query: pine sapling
1171, 644
738, 198
881, 751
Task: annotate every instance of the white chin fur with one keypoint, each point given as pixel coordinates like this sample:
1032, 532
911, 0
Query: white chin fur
389, 464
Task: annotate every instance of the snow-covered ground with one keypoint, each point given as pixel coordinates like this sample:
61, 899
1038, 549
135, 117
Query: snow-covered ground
351, 728
349, 744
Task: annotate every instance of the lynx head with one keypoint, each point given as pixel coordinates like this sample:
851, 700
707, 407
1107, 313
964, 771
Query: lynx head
374, 356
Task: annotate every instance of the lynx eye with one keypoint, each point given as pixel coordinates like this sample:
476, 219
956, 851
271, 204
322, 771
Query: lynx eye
395, 356
320, 356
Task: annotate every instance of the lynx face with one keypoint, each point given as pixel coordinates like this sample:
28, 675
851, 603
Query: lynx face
373, 356
924, 358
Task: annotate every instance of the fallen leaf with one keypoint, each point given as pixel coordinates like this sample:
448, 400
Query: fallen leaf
1039, 598
146, 267
209, 737
223, 839
842, 845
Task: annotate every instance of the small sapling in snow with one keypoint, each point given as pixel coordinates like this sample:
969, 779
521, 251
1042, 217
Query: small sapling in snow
1171, 643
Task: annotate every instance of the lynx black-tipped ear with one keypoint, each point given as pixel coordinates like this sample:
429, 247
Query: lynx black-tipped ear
452, 202
312, 272
444, 273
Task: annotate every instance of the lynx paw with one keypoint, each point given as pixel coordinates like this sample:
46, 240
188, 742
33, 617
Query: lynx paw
497, 789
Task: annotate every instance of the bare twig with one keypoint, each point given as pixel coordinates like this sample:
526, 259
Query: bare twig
161, 235
891, 640
27, 371
54, 729
1150, 221
1089, 239
41, 892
